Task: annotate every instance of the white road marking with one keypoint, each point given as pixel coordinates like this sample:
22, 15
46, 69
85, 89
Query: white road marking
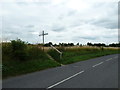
76, 74
65, 80
76, 66
116, 57
109, 59
97, 64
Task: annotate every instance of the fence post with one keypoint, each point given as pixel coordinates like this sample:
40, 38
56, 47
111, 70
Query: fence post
57, 51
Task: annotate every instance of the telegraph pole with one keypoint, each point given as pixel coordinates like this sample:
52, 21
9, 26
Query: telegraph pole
43, 34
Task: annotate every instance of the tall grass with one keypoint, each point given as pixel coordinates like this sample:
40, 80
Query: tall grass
19, 58
71, 55
19, 50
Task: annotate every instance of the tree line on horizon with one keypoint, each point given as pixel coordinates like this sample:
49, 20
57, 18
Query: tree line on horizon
72, 44
88, 44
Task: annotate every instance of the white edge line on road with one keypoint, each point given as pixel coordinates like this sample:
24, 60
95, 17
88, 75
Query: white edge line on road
65, 80
97, 64
116, 57
109, 59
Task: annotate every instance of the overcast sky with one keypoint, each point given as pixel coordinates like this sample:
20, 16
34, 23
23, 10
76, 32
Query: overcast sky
64, 20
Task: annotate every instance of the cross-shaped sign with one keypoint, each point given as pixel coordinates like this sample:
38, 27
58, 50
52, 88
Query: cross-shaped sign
43, 34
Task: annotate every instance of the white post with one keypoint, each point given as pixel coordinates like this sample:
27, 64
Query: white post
57, 51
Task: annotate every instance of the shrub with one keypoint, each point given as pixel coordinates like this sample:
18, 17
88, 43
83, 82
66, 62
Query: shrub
19, 49
6, 51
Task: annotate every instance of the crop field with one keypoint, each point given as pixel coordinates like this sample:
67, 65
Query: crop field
75, 54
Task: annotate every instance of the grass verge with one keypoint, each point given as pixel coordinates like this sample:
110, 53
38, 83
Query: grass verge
14, 68
79, 54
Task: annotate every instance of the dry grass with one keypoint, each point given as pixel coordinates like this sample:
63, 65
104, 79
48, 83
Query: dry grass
80, 47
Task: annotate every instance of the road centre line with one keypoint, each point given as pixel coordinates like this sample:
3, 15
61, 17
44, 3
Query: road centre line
65, 80
97, 64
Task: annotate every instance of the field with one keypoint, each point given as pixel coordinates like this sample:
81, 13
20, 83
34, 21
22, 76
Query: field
20, 58
75, 54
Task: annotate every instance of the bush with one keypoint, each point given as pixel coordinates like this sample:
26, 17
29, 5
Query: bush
6, 51
19, 49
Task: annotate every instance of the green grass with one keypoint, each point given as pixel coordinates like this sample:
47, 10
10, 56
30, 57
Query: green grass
14, 68
80, 54
21, 61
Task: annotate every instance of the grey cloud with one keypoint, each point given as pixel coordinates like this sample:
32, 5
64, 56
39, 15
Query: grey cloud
89, 38
30, 26
76, 23
21, 3
61, 17
12, 32
106, 23
59, 36
31, 31
109, 15
40, 2
58, 28
72, 12
69, 13
111, 36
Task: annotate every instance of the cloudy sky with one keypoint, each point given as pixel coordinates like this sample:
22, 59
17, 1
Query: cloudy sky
64, 20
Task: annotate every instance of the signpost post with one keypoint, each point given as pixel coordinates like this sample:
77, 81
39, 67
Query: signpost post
43, 34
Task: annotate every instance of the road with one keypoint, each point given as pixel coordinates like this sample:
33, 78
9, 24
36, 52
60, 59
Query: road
101, 72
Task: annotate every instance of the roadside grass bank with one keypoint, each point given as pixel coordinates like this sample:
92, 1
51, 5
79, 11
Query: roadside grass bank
20, 58
15, 68
72, 55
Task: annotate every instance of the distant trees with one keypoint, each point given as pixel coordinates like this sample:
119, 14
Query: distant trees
104, 45
88, 44
115, 45
66, 44
23, 44
97, 44
77, 44
60, 44
48, 44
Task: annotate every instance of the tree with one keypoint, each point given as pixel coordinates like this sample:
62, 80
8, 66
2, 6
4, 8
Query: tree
77, 44
89, 44
48, 44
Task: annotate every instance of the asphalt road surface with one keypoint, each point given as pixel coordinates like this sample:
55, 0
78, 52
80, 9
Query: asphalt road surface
101, 72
